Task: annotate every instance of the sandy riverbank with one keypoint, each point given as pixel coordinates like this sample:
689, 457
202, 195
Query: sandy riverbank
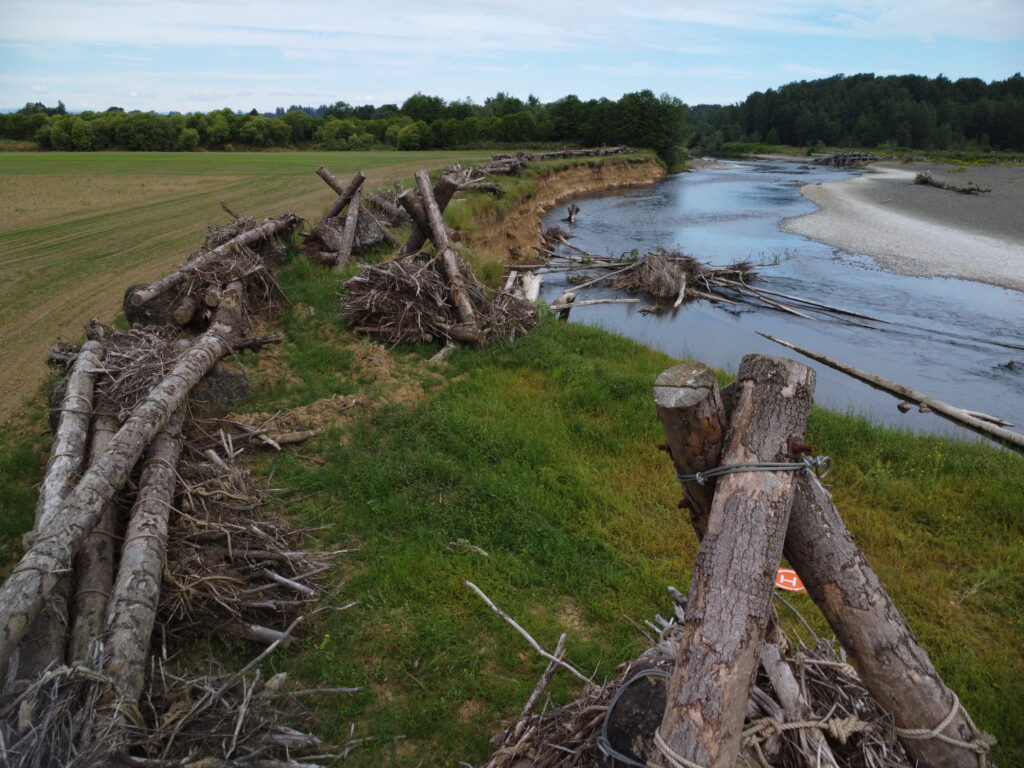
921, 230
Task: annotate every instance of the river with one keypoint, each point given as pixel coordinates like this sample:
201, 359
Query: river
723, 216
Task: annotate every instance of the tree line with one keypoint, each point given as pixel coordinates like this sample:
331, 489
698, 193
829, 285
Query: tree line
640, 119
868, 111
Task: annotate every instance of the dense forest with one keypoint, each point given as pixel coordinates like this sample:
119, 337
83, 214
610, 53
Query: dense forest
867, 111
422, 122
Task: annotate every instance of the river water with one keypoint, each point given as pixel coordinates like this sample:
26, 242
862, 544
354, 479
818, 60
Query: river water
723, 216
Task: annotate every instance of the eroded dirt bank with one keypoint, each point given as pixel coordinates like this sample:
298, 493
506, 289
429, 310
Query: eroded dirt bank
511, 237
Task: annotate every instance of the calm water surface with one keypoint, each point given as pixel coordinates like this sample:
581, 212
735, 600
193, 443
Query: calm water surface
725, 216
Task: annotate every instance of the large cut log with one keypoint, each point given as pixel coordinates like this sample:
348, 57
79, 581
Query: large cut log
835, 572
961, 416
345, 192
444, 190
734, 573
690, 408
266, 230
879, 643
48, 642
348, 236
135, 597
34, 577
94, 565
392, 213
438, 233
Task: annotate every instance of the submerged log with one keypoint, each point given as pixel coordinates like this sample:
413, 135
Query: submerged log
730, 597
34, 577
268, 229
953, 413
136, 594
47, 643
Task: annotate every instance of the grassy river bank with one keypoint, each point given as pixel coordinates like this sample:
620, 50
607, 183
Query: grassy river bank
544, 454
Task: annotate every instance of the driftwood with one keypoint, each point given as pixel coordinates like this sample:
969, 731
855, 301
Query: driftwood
349, 235
35, 576
47, 642
983, 425
571, 213
730, 598
443, 192
94, 565
393, 213
133, 602
170, 282
925, 178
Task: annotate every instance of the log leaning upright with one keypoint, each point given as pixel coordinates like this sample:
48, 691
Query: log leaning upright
730, 596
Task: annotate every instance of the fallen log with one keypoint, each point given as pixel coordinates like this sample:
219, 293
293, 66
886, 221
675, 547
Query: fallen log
47, 643
268, 229
35, 576
393, 213
730, 597
135, 597
953, 413
94, 565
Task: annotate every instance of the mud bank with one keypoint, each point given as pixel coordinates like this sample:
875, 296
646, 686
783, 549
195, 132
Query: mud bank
510, 236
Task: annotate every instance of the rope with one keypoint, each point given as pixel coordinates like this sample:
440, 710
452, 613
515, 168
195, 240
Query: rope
839, 728
675, 760
980, 744
808, 463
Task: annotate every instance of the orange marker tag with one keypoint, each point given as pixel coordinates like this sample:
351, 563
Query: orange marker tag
786, 578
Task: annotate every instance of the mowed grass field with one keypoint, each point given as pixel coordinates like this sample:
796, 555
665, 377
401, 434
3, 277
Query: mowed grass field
79, 228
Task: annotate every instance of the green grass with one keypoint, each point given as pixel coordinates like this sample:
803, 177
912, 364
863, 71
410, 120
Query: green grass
543, 452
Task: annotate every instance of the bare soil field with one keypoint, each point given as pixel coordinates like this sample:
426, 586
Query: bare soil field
80, 228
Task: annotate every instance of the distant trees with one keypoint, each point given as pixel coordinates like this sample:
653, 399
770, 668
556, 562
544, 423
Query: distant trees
422, 122
864, 110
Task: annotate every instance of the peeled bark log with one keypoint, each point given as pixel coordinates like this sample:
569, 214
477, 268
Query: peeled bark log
266, 230
695, 422
136, 594
94, 565
456, 285
47, 643
880, 644
345, 193
730, 592
349, 235
185, 311
444, 190
34, 577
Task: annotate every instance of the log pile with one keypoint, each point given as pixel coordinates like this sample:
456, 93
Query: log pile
415, 297
513, 164
847, 159
144, 524
925, 178
723, 686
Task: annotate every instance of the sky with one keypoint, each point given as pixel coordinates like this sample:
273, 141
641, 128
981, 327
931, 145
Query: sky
184, 55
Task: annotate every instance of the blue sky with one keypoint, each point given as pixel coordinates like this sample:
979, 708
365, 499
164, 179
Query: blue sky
186, 55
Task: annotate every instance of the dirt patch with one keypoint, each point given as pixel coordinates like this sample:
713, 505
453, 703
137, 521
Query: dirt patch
571, 617
511, 237
470, 709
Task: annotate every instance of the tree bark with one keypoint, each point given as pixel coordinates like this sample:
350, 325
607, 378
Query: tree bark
348, 236
34, 577
456, 285
881, 645
444, 191
136, 595
695, 422
94, 565
185, 310
730, 592
345, 192
392, 212
47, 643
266, 230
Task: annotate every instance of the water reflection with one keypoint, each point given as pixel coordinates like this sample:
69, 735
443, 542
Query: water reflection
731, 215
